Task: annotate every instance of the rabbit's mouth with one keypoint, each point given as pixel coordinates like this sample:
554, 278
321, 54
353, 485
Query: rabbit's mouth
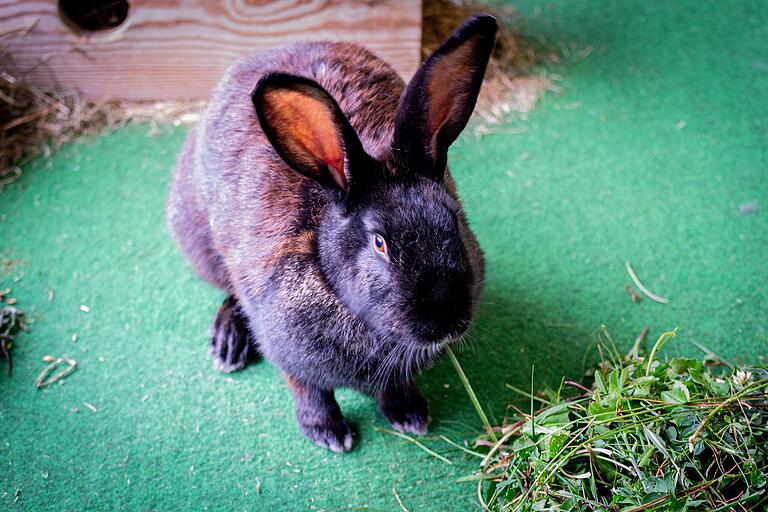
454, 337
450, 338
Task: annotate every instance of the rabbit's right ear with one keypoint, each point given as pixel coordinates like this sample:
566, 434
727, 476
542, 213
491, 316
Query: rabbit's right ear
309, 131
441, 96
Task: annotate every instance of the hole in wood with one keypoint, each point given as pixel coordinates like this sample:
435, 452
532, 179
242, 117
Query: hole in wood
93, 15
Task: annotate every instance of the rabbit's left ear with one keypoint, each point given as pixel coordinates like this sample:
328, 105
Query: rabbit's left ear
310, 132
441, 96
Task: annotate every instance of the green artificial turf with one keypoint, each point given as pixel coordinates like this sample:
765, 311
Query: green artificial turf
656, 139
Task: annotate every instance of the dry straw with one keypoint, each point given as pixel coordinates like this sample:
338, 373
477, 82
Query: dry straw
36, 122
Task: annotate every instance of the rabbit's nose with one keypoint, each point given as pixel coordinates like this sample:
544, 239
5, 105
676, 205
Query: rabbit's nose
442, 306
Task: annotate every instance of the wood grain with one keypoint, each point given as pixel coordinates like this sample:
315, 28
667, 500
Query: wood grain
178, 49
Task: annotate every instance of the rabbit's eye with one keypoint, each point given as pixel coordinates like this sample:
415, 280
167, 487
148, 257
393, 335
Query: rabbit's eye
380, 246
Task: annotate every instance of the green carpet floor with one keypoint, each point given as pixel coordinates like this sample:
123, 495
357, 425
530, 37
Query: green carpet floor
656, 139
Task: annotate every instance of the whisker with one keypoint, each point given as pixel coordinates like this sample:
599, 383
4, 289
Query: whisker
373, 352
383, 372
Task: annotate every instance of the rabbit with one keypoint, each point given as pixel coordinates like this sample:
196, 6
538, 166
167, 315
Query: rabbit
315, 193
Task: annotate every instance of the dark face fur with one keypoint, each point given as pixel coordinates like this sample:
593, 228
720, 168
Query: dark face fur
397, 260
390, 241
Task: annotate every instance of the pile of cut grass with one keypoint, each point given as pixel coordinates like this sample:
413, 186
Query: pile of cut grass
676, 435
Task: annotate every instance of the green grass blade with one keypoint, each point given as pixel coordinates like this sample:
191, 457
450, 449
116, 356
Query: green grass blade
416, 442
471, 393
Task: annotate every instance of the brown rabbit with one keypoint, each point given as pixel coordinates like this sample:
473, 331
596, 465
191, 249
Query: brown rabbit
315, 193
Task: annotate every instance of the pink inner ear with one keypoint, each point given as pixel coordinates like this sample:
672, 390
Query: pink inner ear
448, 87
337, 172
308, 130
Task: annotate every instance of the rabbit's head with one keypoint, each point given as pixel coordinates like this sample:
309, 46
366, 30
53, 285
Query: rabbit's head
392, 243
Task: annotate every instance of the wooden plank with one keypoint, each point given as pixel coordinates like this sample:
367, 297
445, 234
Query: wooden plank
178, 49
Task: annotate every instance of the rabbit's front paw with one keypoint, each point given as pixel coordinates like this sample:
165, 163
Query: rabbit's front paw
319, 416
405, 409
336, 435
412, 422
230, 348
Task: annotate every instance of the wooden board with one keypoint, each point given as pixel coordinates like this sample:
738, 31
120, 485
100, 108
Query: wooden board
178, 49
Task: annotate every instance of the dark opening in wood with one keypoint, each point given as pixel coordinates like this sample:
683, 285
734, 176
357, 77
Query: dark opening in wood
93, 15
